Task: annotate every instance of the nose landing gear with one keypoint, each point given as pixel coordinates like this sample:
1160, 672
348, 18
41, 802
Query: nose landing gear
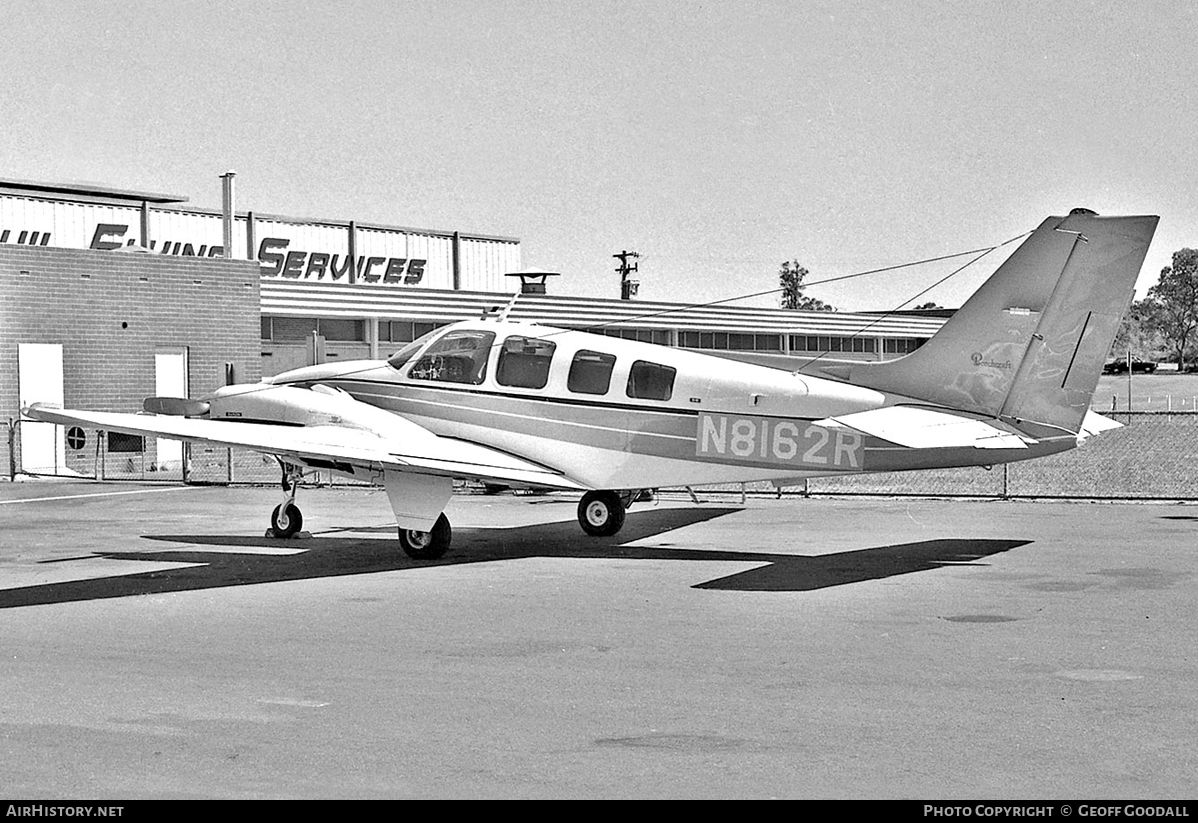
286, 520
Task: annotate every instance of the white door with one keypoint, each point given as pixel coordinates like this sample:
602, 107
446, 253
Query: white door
39, 374
170, 380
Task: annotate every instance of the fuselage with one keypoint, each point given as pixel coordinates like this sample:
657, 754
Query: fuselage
615, 413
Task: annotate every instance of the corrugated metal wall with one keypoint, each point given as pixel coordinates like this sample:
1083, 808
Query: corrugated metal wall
288, 248
485, 262
171, 232
68, 225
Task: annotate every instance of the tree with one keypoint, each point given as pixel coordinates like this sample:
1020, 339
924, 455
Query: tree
1176, 293
1139, 332
790, 278
927, 306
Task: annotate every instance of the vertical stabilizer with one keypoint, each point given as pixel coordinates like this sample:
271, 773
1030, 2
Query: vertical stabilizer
1030, 343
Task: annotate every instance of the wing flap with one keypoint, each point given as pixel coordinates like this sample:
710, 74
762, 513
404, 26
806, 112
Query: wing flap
921, 428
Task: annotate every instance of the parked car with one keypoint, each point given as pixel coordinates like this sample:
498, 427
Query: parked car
1137, 367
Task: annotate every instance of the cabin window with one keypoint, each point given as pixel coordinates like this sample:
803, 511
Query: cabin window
397, 360
650, 381
524, 362
590, 372
458, 357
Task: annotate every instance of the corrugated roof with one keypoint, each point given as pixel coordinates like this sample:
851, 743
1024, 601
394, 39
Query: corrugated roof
298, 299
86, 190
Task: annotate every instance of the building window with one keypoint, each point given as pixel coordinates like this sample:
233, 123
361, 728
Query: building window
902, 345
292, 328
590, 372
821, 344
458, 357
128, 443
660, 337
344, 330
405, 331
396, 331
524, 362
650, 381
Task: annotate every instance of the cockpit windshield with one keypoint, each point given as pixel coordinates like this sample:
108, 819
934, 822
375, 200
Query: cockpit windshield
397, 360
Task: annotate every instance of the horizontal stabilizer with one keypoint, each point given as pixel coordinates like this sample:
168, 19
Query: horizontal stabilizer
1095, 423
921, 428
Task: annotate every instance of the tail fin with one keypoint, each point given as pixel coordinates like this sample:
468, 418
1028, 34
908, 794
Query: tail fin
1030, 343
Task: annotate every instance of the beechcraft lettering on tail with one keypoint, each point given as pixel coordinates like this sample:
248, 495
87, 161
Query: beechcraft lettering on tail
1009, 377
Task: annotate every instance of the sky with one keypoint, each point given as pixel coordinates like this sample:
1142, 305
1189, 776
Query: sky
717, 139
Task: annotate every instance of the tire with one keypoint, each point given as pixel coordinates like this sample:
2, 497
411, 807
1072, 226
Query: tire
286, 523
427, 545
601, 513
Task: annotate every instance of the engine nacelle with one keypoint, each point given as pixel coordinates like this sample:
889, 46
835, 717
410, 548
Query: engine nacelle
291, 406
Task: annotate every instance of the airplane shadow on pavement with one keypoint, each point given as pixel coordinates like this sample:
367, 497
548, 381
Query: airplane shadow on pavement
323, 556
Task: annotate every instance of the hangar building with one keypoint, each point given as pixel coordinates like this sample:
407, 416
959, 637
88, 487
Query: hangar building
110, 295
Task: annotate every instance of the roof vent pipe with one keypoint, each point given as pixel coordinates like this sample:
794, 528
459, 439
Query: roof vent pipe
227, 211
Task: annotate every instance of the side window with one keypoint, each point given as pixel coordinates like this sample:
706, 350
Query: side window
650, 381
590, 372
458, 357
524, 362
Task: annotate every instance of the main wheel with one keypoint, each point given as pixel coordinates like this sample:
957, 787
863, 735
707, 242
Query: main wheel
286, 520
601, 513
427, 545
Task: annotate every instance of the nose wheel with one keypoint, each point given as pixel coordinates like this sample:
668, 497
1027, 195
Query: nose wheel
601, 513
286, 520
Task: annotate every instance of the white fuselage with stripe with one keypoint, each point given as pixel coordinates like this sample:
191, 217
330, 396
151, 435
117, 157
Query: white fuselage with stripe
722, 421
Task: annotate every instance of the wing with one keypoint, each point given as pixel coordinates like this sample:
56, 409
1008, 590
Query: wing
405, 447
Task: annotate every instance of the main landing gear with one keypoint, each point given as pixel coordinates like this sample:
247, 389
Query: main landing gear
427, 545
601, 513
286, 521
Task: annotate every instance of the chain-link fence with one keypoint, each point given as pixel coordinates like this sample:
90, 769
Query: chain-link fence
51, 450
48, 449
1154, 457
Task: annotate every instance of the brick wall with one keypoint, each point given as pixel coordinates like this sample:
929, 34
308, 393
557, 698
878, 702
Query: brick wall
112, 311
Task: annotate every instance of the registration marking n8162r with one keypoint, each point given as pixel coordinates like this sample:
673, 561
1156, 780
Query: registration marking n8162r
777, 440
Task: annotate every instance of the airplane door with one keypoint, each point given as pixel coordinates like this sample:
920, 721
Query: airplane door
170, 380
39, 375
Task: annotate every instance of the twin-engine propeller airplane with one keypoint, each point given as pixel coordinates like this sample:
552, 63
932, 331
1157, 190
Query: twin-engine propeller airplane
1009, 377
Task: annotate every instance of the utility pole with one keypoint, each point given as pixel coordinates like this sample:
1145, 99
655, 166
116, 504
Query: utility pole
628, 288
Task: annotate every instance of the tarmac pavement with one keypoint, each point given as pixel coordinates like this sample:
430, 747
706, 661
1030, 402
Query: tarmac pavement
157, 645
